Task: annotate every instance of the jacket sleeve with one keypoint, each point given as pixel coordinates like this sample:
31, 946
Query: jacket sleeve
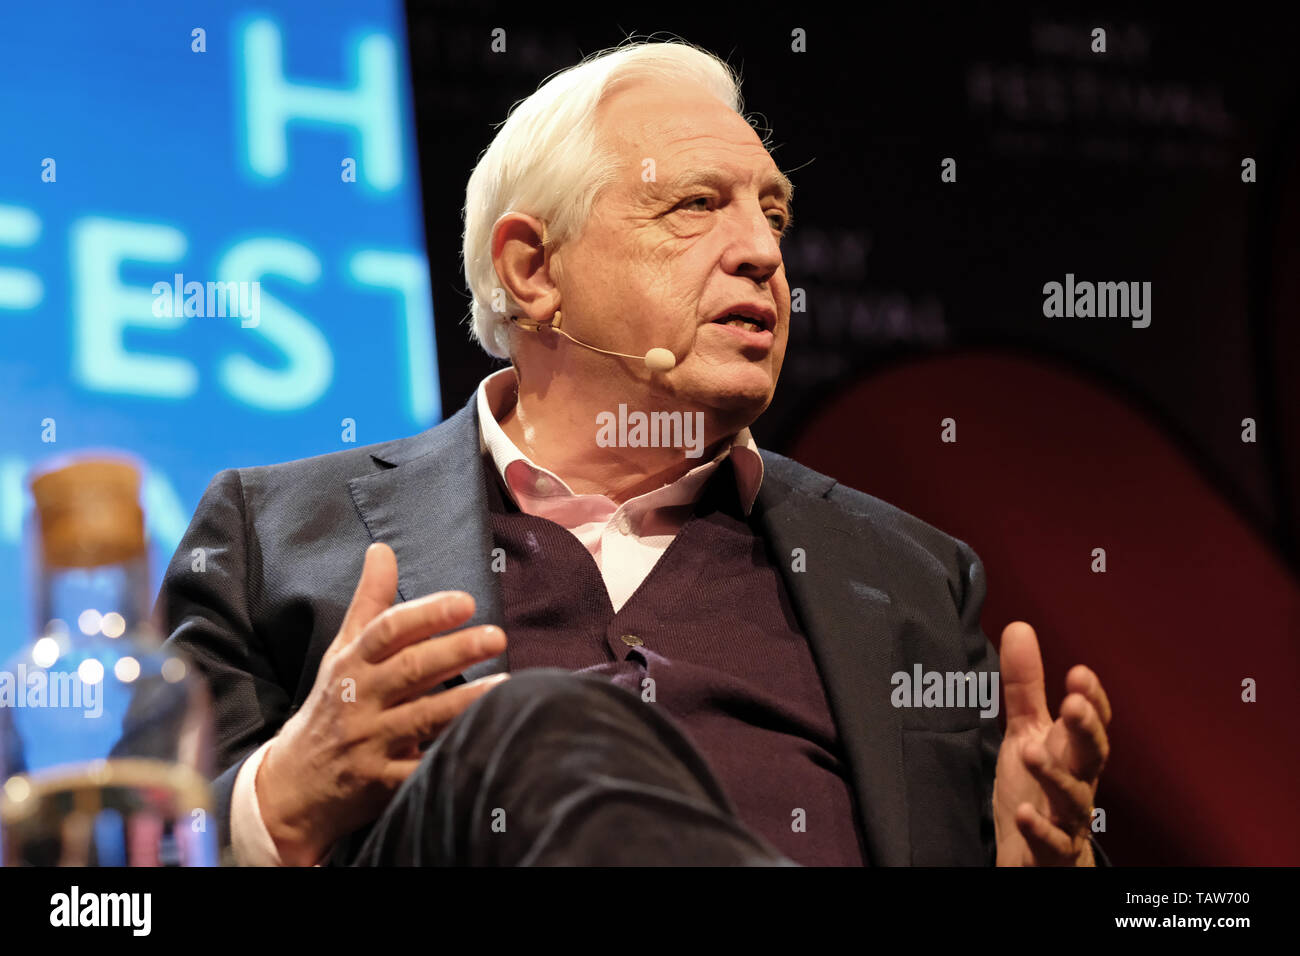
207, 606
983, 657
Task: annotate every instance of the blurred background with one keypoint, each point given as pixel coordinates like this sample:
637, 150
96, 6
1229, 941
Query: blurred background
212, 140
221, 165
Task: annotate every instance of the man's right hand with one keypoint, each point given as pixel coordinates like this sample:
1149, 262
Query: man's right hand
337, 762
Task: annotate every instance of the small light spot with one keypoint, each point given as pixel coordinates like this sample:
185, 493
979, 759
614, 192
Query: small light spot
90, 621
17, 789
173, 669
45, 652
113, 625
90, 671
127, 669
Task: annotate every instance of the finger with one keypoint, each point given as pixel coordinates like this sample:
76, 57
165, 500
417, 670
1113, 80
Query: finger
396, 771
1049, 844
425, 717
403, 624
1069, 797
1022, 677
416, 669
1087, 745
375, 591
1082, 680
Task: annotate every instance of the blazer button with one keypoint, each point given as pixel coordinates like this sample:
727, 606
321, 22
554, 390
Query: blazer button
631, 640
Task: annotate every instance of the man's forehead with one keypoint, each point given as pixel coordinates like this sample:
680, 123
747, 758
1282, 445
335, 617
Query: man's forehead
693, 138
720, 162
680, 127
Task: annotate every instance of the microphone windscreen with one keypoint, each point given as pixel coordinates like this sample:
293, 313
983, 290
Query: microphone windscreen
660, 360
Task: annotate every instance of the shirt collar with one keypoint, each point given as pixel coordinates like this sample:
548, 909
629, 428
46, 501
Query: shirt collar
525, 480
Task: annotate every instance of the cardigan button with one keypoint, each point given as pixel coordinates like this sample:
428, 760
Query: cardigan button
631, 640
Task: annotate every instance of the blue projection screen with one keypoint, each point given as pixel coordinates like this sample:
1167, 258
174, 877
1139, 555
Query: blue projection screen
211, 251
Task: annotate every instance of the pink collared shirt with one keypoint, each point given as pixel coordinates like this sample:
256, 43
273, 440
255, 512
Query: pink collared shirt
625, 540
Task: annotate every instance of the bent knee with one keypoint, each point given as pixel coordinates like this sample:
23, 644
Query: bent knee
551, 693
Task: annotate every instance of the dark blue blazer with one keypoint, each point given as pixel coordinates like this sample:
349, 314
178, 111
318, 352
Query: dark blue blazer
283, 547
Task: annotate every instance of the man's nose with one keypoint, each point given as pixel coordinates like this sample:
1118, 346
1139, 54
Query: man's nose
753, 248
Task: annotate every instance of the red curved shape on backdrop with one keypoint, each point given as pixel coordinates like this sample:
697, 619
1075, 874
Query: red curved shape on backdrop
1048, 466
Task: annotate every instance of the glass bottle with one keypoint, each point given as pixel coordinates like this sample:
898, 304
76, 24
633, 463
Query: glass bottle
105, 733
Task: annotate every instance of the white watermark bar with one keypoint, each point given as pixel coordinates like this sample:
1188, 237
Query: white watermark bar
946, 689
209, 300
38, 687
624, 429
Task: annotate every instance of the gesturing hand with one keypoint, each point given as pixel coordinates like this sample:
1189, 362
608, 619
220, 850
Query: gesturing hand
1047, 771
337, 761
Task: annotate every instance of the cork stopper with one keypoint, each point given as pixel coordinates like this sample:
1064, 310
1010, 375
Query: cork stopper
90, 513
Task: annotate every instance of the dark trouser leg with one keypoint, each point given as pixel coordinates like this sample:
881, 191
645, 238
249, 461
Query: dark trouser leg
557, 769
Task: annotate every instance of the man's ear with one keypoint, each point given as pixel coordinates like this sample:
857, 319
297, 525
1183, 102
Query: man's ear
524, 264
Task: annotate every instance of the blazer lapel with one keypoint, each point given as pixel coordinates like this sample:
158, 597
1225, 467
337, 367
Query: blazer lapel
429, 504
843, 601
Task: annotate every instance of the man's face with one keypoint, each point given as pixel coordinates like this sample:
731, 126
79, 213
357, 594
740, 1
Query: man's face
661, 259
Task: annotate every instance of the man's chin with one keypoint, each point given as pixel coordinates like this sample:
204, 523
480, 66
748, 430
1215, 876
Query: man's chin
740, 400
738, 392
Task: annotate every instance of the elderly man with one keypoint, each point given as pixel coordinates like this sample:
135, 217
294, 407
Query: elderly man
705, 643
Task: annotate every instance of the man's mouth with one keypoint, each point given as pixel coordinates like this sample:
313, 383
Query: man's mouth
741, 322
749, 317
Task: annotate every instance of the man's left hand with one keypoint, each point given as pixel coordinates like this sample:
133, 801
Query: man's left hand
1047, 770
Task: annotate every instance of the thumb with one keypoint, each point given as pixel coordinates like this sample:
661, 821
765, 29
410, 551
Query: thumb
375, 591
1022, 676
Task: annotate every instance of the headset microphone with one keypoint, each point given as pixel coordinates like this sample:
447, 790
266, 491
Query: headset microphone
656, 360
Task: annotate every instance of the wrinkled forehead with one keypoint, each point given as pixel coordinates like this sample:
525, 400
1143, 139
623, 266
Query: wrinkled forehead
686, 132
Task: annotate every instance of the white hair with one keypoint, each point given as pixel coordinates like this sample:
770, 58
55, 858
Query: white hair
545, 161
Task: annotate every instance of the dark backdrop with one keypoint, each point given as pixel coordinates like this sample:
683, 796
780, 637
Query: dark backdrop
1123, 166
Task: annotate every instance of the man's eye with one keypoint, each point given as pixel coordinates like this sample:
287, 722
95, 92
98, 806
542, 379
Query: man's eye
779, 220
